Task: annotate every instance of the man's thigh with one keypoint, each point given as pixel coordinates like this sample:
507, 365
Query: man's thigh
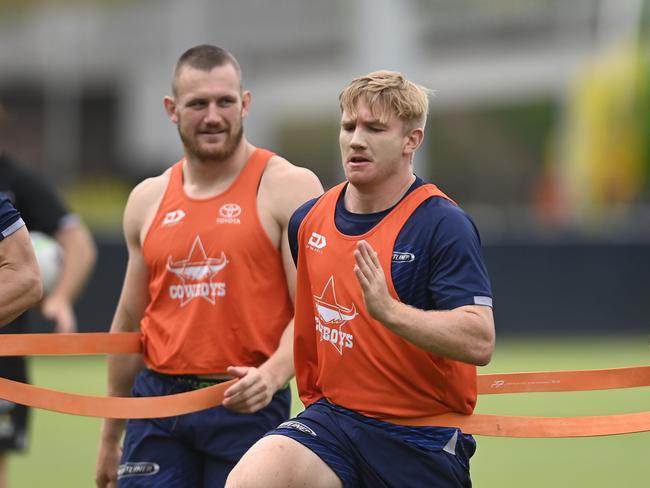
277, 461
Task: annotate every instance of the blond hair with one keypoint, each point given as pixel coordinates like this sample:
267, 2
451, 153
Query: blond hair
388, 92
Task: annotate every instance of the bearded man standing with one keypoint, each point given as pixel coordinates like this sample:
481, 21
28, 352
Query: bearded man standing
209, 285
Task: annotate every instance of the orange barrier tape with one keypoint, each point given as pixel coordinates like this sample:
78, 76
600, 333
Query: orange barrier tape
595, 379
517, 426
113, 407
96, 406
549, 381
69, 344
479, 424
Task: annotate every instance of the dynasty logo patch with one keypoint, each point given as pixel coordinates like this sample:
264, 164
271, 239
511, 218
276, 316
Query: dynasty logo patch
173, 217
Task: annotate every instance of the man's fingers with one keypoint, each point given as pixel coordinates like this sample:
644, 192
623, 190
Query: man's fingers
237, 371
374, 257
369, 256
361, 278
239, 386
363, 262
66, 326
364, 251
236, 389
249, 384
243, 403
248, 404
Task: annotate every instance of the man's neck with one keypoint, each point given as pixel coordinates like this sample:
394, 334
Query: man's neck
206, 178
372, 199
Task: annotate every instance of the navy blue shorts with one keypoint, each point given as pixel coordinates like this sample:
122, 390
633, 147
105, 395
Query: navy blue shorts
194, 450
367, 452
14, 417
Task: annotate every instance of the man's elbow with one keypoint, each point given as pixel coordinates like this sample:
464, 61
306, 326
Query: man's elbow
480, 324
483, 357
33, 288
28, 292
485, 349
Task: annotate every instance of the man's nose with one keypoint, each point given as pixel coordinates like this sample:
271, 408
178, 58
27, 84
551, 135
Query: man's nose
213, 115
358, 140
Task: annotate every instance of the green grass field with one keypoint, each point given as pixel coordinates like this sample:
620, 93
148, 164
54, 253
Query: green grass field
63, 447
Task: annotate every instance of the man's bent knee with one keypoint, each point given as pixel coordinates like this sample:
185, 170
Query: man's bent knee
277, 461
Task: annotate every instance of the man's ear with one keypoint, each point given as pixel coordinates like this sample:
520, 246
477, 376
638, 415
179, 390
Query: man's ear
170, 107
414, 139
246, 98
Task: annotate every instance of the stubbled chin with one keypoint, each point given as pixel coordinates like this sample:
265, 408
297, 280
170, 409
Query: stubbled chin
356, 176
213, 143
211, 139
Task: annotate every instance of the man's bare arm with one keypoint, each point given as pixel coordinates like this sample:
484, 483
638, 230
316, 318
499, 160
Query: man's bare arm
79, 256
20, 279
122, 368
292, 186
464, 334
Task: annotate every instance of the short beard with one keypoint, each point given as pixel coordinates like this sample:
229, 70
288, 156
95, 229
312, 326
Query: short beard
194, 149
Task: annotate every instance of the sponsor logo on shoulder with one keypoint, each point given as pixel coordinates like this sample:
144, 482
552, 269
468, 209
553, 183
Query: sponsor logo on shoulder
137, 469
292, 424
316, 241
174, 217
403, 257
229, 214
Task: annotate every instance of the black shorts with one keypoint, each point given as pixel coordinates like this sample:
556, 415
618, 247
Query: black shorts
13, 417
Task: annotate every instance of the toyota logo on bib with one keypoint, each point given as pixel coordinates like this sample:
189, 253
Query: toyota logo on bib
230, 210
229, 214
